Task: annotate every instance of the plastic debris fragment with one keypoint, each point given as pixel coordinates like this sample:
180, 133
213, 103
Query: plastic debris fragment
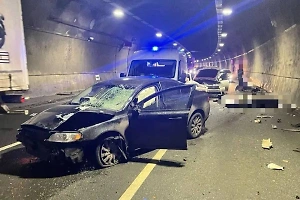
267, 144
264, 116
257, 121
275, 167
274, 126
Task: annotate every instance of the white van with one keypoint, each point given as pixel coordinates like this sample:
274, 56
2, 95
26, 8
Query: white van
168, 63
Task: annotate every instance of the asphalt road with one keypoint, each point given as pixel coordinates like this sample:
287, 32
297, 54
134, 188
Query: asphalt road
225, 163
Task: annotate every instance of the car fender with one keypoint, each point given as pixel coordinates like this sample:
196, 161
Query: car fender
117, 124
200, 102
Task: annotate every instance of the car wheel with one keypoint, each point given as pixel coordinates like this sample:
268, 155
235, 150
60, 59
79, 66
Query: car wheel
108, 153
195, 126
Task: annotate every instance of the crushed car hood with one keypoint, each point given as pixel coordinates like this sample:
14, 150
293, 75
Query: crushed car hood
69, 118
206, 81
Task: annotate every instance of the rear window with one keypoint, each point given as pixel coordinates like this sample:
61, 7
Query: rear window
161, 68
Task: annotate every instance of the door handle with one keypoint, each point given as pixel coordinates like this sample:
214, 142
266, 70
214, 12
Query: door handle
175, 117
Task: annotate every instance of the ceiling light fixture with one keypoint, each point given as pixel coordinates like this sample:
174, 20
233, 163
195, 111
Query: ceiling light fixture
118, 13
224, 35
227, 11
159, 35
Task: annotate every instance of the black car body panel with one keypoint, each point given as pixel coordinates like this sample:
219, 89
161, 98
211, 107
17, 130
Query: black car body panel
138, 129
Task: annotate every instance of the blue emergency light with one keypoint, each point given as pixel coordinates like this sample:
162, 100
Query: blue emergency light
155, 48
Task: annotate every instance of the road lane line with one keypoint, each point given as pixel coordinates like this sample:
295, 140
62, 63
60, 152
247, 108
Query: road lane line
136, 184
10, 146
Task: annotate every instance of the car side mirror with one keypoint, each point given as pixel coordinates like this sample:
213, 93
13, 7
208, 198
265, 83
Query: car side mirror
122, 75
134, 108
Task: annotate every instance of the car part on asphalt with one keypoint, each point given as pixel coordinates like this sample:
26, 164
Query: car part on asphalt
275, 167
257, 121
264, 116
267, 144
291, 130
274, 126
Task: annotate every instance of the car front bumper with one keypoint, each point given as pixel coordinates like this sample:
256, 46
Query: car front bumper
50, 151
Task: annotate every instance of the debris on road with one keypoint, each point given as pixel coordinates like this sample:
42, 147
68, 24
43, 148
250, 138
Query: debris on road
296, 125
33, 114
264, 116
278, 120
4, 109
65, 93
25, 112
275, 167
257, 121
274, 126
285, 161
184, 159
296, 150
291, 130
266, 144
297, 197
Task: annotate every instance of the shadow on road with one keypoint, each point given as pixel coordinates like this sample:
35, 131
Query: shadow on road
166, 163
18, 163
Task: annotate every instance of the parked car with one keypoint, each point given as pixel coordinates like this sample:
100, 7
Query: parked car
111, 119
207, 80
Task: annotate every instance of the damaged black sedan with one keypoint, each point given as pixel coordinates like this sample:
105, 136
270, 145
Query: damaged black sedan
110, 120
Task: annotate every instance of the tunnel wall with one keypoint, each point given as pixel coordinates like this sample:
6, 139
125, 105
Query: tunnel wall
61, 58
275, 65
268, 46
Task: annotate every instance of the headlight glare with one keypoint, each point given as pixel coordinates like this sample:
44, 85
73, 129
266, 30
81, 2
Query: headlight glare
65, 137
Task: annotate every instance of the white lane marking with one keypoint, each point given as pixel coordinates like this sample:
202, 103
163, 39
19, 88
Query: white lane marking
136, 184
9, 146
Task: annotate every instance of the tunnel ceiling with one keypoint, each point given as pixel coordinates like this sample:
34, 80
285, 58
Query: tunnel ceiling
192, 23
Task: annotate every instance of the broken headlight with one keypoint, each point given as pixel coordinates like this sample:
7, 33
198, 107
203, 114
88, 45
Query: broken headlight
65, 137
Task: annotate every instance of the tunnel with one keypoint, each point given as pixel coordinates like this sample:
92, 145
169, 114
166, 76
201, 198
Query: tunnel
71, 44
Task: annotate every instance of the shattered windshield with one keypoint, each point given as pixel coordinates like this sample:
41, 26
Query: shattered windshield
109, 97
162, 68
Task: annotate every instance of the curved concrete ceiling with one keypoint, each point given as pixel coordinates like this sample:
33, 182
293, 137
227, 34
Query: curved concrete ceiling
194, 23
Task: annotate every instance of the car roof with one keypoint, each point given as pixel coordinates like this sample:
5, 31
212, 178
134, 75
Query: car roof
137, 81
